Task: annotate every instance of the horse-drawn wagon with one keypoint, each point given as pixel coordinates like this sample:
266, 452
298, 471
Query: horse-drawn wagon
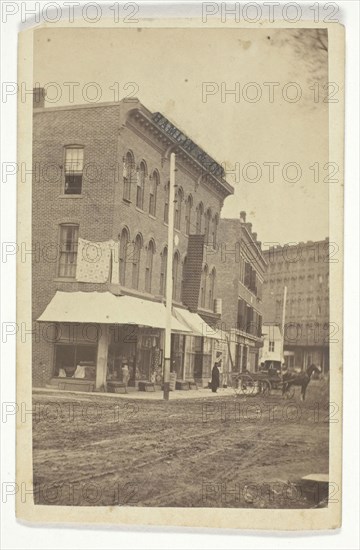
270, 378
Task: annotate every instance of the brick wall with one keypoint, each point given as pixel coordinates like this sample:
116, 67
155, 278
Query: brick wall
100, 210
226, 258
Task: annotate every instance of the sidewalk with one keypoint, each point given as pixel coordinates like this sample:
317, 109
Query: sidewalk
133, 393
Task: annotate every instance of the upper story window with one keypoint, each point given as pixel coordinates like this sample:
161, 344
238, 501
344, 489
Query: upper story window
140, 188
247, 274
214, 230
154, 182
199, 216
124, 243
188, 210
176, 262
74, 166
177, 212
271, 345
128, 174
204, 277
166, 202
69, 234
212, 280
163, 270
136, 261
183, 278
207, 226
149, 265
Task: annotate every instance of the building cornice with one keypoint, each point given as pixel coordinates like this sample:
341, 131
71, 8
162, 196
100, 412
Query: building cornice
140, 120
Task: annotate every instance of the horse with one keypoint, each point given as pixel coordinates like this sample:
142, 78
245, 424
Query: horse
302, 379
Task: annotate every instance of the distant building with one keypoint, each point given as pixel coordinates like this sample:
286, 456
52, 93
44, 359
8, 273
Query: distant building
304, 269
240, 267
272, 349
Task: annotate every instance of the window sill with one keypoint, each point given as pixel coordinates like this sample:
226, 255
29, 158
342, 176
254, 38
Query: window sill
70, 196
139, 209
152, 217
65, 280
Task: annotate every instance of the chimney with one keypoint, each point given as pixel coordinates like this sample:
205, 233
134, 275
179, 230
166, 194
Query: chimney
254, 236
38, 98
249, 227
243, 216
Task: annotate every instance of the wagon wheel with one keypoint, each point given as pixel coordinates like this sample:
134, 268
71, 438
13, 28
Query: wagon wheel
244, 385
265, 387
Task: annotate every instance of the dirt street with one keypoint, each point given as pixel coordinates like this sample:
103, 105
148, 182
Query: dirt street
224, 452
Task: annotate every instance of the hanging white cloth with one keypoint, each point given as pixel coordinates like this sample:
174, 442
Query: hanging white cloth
80, 372
93, 261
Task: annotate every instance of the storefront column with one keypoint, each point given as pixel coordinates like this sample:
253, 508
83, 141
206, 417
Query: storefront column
102, 357
162, 347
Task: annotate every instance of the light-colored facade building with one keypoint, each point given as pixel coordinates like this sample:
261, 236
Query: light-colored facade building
304, 269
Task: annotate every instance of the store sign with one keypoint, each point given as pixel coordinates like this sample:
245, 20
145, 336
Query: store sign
189, 146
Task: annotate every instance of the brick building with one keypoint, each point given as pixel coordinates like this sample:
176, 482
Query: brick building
304, 269
240, 266
100, 212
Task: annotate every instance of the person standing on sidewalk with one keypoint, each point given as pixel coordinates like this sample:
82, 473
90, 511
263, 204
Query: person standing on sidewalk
215, 377
125, 374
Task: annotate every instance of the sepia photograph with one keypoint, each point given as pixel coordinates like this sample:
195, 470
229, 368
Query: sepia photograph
185, 281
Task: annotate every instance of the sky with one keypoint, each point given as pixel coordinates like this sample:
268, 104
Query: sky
273, 148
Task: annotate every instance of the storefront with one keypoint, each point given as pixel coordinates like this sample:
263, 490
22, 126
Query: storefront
202, 347
244, 352
97, 333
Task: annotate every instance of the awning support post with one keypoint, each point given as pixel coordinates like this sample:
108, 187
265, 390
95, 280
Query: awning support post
102, 357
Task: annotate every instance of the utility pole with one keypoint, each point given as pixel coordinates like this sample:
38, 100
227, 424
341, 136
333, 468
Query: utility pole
283, 322
169, 279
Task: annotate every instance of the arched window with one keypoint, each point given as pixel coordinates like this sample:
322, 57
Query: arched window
166, 202
128, 174
154, 182
204, 276
136, 261
207, 226
189, 205
212, 280
124, 243
175, 275
199, 216
183, 275
140, 189
149, 265
177, 213
163, 271
214, 230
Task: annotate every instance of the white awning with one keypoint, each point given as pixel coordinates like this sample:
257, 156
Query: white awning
197, 325
105, 308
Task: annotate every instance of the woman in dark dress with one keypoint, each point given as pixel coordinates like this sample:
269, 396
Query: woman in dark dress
215, 378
